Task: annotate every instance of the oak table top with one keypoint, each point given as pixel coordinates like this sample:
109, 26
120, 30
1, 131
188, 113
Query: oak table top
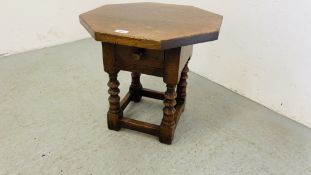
151, 25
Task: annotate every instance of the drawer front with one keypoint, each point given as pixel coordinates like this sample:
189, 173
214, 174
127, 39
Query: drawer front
140, 60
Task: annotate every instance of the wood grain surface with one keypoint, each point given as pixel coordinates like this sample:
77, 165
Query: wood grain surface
151, 25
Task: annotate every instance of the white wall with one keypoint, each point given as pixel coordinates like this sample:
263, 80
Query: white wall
33, 24
263, 53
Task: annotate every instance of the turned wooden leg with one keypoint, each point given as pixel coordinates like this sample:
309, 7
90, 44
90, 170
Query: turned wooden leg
136, 87
115, 112
182, 85
167, 126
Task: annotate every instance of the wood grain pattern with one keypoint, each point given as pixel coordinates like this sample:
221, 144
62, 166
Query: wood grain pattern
174, 62
152, 25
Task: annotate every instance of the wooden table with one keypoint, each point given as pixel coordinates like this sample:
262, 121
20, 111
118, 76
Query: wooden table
154, 39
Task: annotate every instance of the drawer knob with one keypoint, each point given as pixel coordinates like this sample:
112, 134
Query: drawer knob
137, 55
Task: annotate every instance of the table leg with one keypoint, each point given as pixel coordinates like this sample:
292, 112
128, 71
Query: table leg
167, 126
136, 87
115, 112
182, 85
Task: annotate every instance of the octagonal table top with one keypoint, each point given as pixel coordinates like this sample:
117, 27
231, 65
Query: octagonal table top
151, 25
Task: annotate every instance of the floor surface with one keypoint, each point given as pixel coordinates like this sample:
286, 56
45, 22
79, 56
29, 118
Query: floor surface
53, 121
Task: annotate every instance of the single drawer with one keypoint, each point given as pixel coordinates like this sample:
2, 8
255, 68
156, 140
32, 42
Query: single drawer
140, 60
